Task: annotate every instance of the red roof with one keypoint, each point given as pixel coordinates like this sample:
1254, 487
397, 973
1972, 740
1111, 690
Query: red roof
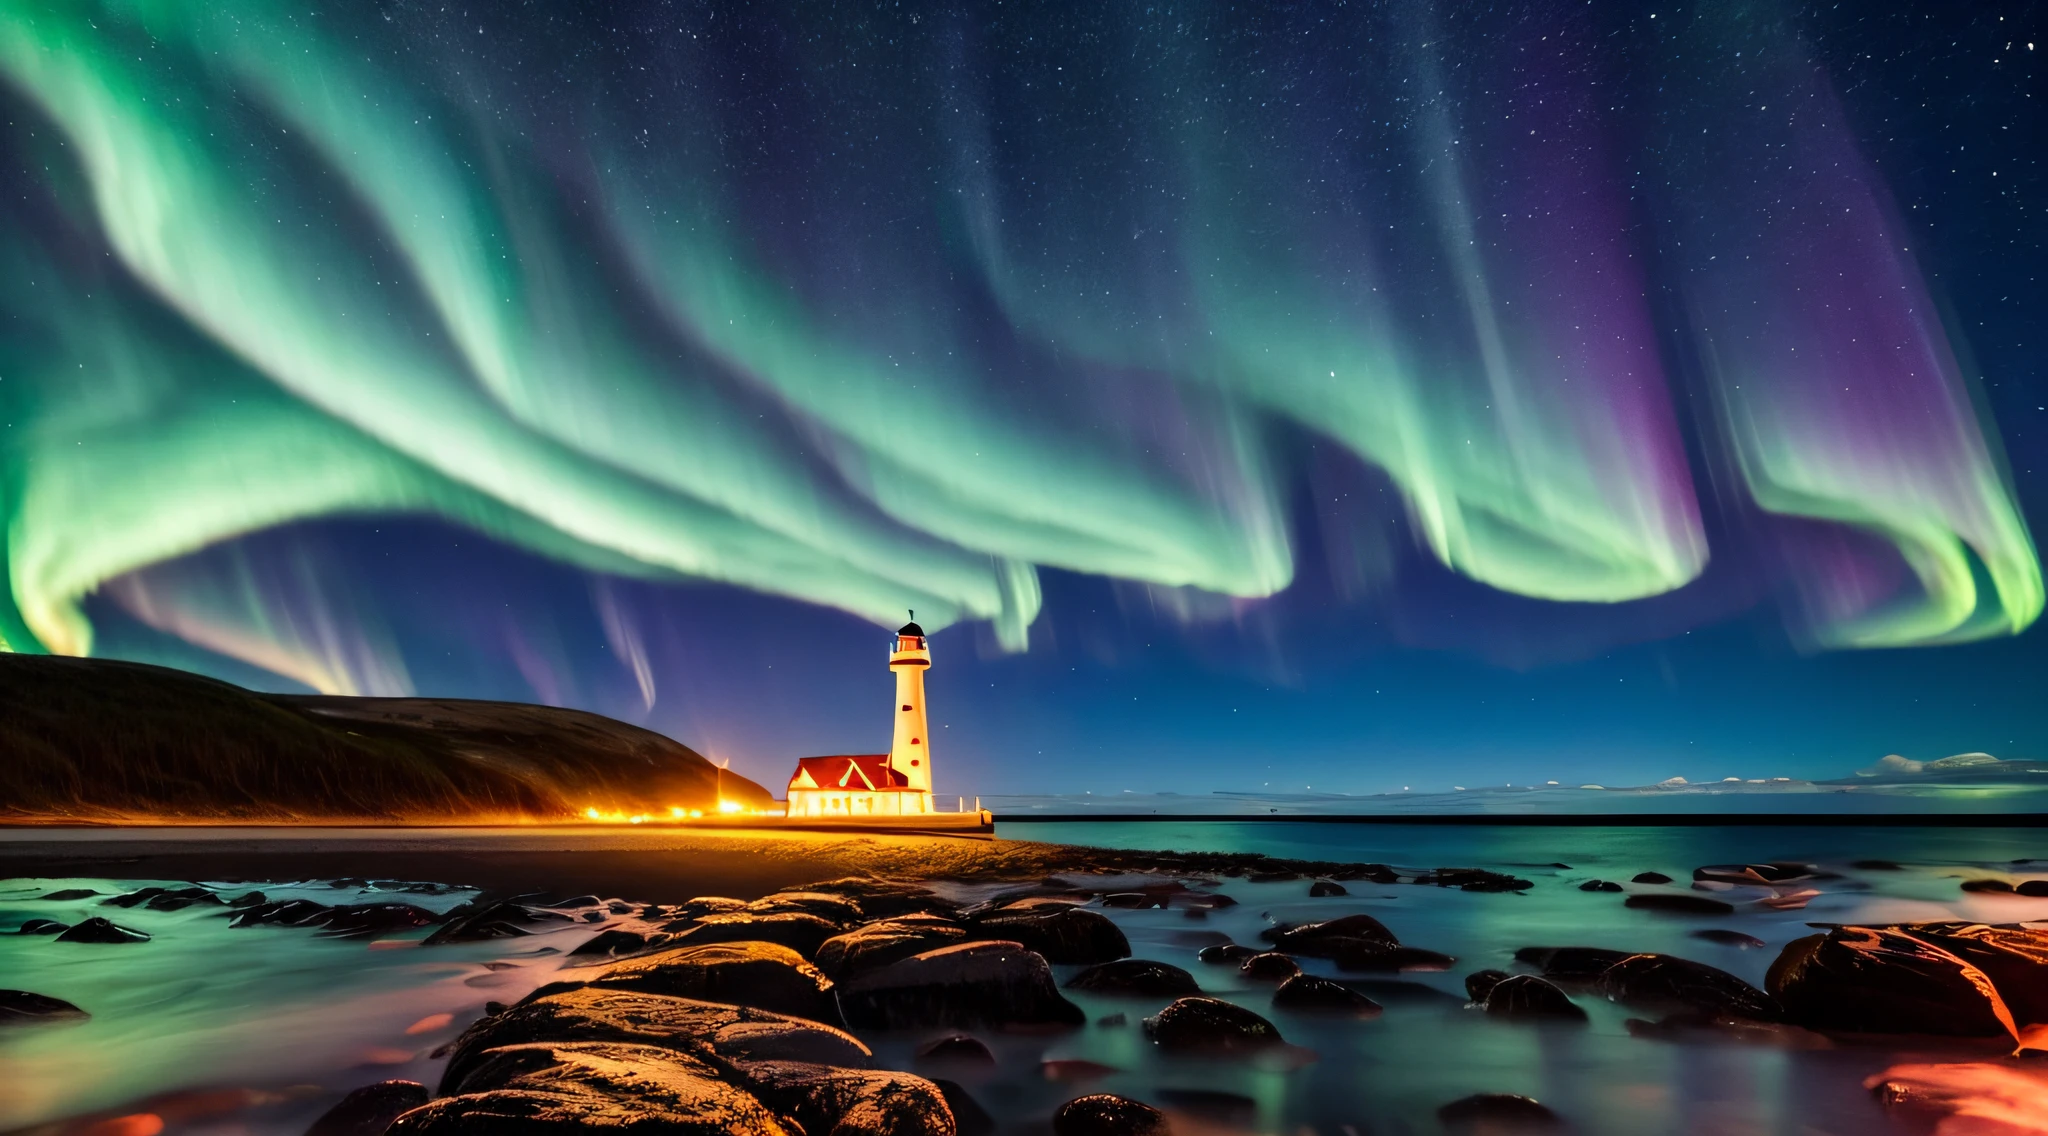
862, 773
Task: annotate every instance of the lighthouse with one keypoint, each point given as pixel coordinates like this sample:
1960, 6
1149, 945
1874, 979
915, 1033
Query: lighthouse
910, 748
897, 783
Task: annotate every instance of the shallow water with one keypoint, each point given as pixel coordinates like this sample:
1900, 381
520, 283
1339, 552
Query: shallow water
297, 1019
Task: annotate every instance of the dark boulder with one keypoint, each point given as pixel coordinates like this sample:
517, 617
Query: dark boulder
1649, 878
102, 930
700, 906
1325, 889
1756, 874
1876, 980
800, 932
1104, 1114
1357, 936
1729, 938
766, 976
1497, 1114
363, 920
184, 898
134, 898
1480, 981
1529, 997
876, 945
956, 1048
1680, 904
368, 1111
2034, 889
1226, 954
1141, 977
1067, 937
1272, 966
1667, 982
21, 1006
1310, 994
883, 899
2015, 959
1134, 900
1476, 879
1991, 886
832, 908
1200, 1024
505, 920
1571, 965
615, 943
248, 899
726, 1034
67, 895
850, 1102
1599, 885
965, 986
41, 927
579, 1087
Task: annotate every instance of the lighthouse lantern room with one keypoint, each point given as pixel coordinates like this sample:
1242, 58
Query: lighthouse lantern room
897, 783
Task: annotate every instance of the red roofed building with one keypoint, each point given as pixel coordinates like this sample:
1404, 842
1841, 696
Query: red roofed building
897, 783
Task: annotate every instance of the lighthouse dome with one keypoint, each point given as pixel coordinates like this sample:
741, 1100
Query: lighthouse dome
911, 629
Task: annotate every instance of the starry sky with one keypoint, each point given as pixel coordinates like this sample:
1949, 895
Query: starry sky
1296, 396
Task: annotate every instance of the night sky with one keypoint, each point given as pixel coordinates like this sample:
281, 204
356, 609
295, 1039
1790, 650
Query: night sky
1273, 396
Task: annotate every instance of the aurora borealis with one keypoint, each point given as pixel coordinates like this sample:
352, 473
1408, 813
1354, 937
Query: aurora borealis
1547, 313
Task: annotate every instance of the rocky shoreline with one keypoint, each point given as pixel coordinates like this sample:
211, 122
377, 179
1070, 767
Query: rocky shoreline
756, 1016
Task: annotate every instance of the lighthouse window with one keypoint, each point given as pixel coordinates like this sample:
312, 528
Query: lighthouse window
913, 741
913, 762
906, 705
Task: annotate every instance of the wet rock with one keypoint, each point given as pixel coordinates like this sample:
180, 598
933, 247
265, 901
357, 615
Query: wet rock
1992, 886
573, 903
1137, 977
1308, 993
703, 905
1695, 1028
1050, 896
1527, 996
1271, 966
1353, 935
1372, 957
969, 1118
883, 899
348, 883
1199, 1024
1476, 879
1649, 878
1680, 904
1875, 980
766, 976
1275, 877
1570, 965
1729, 938
1065, 937
1207, 900
2031, 888
1105, 1114
1323, 889
505, 920
965, 986
248, 899
876, 945
182, 899
1599, 885
102, 930
614, 943
1480, 981
1497, 1113
578, 1087
134, 898
2015, 959
709, 1030
958, 1048
1133, 900
287, 913
832, 908
1672, 983
850, 1102
800, 932
1226, 954
368, 1111
363, 920
1773, 873
20, 1006
41, 927
68, 895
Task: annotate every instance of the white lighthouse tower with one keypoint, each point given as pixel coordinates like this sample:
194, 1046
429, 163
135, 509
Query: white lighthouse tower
910, 748
897, 783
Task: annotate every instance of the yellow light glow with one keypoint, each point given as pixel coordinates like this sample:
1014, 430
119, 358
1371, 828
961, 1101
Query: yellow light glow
728, 806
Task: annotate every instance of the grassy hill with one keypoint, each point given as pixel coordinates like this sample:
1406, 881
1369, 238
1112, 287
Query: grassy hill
100, 740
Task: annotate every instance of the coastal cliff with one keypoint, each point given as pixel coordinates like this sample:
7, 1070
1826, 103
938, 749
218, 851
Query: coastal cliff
101, 740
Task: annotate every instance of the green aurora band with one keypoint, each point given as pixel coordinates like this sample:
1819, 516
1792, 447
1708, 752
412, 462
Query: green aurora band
271, 268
